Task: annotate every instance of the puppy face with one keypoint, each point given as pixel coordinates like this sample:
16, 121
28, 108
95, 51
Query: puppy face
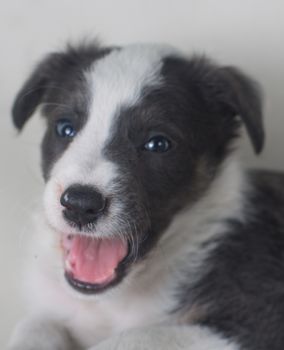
134, 135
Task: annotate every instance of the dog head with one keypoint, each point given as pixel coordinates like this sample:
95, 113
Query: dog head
134, 135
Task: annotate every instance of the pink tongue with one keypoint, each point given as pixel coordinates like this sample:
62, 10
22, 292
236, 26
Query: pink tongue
93, 260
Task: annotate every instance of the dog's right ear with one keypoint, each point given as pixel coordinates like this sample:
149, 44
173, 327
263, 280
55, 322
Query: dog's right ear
48, 73
33, 91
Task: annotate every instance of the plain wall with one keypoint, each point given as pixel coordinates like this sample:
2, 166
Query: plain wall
245, 33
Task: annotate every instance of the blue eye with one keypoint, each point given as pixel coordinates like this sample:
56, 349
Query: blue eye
158, 144
65, 128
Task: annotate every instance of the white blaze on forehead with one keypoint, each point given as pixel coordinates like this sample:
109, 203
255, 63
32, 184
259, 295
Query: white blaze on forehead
118, 80
114, 81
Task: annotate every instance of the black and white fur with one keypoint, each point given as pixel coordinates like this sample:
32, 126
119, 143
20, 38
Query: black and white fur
206, 262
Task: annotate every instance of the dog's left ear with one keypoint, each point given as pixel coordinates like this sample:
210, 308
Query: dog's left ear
242, 97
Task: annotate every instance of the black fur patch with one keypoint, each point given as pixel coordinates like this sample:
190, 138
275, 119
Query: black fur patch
243, 290
59, 86
195, 108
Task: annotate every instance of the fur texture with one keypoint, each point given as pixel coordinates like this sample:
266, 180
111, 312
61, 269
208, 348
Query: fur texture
154, 134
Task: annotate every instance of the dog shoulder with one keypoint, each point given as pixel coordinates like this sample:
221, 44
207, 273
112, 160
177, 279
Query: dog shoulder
243, 274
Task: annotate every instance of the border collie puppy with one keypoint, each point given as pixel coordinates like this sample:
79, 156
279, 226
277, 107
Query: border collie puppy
152, 236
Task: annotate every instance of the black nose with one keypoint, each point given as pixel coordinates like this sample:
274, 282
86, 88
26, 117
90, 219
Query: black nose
83, 204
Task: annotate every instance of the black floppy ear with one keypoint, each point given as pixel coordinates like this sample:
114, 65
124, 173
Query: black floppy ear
243, 98
32, 92
48, 73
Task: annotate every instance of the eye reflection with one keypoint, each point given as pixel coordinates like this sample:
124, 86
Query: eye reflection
65, 128
158, 144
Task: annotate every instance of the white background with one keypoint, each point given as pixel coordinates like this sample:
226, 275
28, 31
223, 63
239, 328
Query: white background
246, 33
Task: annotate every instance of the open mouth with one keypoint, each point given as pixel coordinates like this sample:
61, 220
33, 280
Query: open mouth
93, 264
